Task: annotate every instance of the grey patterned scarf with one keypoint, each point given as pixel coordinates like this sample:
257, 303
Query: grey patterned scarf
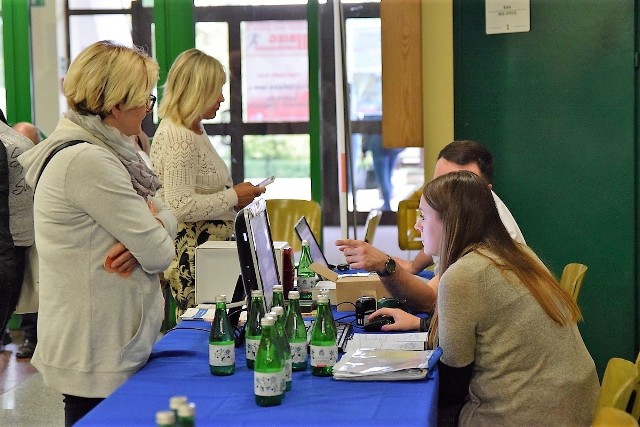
144, 180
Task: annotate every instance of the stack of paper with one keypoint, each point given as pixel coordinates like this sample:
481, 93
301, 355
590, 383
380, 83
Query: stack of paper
384, 365
389, 341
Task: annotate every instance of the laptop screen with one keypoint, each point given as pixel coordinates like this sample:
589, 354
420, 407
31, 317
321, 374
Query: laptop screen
304, 232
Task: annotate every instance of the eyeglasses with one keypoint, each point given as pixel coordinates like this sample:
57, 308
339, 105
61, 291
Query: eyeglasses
151, 102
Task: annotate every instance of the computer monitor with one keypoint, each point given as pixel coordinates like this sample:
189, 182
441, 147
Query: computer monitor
304, 232
258, 266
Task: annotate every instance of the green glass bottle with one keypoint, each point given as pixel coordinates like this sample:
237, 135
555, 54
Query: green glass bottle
175, 402
222, 350
268, 372
324, 351
165, 419
305, 276
278, 297
296, 333
280, 324
252, 328
186, 415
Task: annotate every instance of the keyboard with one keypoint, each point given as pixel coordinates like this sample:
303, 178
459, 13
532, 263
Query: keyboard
344, 332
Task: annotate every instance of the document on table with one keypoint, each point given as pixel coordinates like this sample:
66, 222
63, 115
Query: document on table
389, 341
201, 312
367, 364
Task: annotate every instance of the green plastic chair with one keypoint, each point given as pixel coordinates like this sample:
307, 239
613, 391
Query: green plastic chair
608, 417
572, 278
283, 215
619, 380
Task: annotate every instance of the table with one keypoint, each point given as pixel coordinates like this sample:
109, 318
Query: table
179, 365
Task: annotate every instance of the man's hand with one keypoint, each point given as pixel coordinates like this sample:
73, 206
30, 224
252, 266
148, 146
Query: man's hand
361, 255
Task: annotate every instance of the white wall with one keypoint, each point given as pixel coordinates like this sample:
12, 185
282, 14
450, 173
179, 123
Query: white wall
47, 44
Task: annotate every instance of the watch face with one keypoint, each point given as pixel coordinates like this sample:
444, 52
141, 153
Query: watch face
390, 266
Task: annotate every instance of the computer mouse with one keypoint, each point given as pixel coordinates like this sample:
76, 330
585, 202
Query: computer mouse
375, 324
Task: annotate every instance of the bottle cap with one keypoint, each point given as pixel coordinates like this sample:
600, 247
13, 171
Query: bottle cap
221, 298
294, 295
165, 418
277, 288
256, 293
278, 310
323, 298
266, 321
187, 409
175, 401
305, 242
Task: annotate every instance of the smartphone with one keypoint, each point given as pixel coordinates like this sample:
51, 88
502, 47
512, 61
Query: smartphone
267, 181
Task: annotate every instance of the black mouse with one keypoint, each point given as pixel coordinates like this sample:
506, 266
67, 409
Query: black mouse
375, 324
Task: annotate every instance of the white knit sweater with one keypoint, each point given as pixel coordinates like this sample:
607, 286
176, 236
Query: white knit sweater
197, 184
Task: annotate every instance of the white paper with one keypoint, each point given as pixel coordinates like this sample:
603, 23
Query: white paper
507, 16
389, 341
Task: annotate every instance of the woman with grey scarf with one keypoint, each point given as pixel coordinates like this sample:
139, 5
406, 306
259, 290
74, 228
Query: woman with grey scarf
102, 236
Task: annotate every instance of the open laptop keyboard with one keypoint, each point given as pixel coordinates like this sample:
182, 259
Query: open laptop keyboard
344, 332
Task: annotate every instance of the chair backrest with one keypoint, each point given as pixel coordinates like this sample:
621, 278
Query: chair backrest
607, 417
619, 380
572, 278
283, 215
409, 238
635, 409
371, 225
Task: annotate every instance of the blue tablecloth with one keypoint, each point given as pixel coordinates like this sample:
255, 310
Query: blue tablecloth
179, 366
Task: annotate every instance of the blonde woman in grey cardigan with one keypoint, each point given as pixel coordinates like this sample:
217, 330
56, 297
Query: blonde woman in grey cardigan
102, 236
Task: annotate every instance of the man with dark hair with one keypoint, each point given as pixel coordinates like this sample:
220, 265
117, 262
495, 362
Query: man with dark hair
397, 275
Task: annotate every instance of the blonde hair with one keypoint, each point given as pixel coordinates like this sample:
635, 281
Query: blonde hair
106, 74
194, 82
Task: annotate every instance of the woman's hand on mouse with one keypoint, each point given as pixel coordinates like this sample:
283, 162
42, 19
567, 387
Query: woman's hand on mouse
403, 320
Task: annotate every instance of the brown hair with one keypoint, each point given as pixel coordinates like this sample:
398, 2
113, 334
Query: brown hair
470, 221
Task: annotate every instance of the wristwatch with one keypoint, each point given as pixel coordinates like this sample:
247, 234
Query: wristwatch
389, 267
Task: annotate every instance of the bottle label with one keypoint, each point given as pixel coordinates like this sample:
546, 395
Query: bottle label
222, 354
322, 356
298, 352
251, 348
268, 384
306, 284
288, 364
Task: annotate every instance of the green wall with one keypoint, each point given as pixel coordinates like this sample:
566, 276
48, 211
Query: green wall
556, 106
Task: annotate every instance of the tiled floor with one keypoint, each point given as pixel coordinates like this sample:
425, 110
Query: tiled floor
24, 399
27, 402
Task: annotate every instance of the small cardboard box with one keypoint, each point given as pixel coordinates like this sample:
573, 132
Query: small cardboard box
351, 287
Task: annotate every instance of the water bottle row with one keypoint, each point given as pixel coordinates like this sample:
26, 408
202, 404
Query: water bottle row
276, 344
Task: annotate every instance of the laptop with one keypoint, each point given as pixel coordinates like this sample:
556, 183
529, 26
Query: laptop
304, 232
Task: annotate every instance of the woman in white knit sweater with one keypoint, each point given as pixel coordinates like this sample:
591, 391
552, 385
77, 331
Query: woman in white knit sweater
197, 182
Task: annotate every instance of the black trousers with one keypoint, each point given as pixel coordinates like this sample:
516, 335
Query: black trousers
11, 291
29, 326
76, 407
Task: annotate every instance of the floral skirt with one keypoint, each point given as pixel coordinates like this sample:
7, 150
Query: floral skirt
181, 272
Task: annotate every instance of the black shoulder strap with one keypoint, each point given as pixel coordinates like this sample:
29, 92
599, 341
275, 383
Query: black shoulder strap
56, 151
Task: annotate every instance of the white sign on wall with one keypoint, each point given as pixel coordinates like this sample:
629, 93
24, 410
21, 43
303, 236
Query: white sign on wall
507, 16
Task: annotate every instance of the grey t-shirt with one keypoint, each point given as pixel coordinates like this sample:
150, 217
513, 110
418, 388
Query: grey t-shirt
20, 194
527, 369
